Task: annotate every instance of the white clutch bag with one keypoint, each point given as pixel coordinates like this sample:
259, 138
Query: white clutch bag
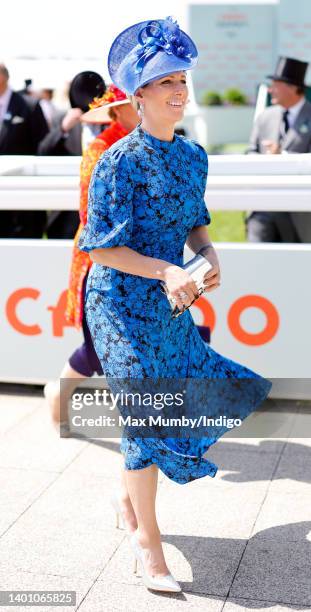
197, 268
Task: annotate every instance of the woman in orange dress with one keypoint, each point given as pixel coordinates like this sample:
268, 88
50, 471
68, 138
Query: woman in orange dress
113, 106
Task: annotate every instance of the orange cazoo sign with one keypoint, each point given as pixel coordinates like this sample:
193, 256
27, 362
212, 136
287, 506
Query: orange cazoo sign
237, 308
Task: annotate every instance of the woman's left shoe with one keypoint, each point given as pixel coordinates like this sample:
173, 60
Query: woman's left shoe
166, 583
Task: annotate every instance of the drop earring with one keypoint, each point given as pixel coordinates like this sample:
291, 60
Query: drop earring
141, 110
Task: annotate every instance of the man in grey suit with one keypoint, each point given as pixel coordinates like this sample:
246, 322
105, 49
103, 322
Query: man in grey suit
284, 126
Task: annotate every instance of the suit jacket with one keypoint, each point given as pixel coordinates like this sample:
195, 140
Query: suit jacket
23, 127
58, 143
297, 140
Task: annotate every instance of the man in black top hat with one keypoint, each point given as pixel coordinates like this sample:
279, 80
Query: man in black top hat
284, 126
65, 138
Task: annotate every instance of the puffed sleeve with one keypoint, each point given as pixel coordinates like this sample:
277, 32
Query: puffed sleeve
109, 214
201, 169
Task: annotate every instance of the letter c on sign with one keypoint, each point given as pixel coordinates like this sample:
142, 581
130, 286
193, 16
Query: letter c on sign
11, 307
209, 316
253, 301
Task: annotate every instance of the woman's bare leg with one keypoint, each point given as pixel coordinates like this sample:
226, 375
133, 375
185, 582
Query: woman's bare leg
58, 393
142, 489
126, 506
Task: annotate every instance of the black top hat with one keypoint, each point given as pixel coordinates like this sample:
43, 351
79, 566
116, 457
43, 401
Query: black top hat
84, 87
290, 70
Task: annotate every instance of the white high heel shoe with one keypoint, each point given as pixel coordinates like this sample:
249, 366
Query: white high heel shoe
157, 583
115, 504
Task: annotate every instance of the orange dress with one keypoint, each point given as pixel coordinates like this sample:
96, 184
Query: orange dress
81, 262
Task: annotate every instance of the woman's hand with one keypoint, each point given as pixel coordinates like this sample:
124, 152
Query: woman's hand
199, 242
271, 147
211, 278
180, 286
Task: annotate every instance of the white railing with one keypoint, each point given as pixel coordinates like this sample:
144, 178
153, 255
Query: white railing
235, 182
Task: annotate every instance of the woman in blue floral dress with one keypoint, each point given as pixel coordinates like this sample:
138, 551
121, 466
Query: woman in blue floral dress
146, 201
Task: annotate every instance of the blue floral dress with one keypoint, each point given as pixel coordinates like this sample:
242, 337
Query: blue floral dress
148, 194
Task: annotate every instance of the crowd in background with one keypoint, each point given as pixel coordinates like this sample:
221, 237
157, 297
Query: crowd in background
32, 124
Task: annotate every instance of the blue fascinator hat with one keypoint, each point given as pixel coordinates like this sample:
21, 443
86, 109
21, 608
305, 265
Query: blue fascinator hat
149, 50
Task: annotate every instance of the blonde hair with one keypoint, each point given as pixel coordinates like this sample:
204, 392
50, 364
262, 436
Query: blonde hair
134, 102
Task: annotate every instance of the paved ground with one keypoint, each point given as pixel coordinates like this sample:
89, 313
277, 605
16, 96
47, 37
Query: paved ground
240, 541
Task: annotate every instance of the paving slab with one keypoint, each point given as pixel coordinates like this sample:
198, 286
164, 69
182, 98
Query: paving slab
264, 445
241, 539
218, 513
122, 564
102, 457
201, 565
293, 473
297, 446
293, 427
241, 464
18, 581
35, 444
14, 409
99, 456
267, 424
271, 425
245, 444
19, 488
281, 516
275, 569
68, 531
114, 597
238, 604
301, 428
62, 554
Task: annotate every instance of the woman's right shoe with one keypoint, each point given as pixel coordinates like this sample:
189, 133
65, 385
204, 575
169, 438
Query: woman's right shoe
62, 427
157, 583
115, 504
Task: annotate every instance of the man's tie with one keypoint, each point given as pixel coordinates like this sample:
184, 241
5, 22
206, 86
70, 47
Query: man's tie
285, 121
284, 127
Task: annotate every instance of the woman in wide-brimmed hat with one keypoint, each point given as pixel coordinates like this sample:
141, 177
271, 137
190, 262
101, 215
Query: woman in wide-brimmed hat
146, 201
